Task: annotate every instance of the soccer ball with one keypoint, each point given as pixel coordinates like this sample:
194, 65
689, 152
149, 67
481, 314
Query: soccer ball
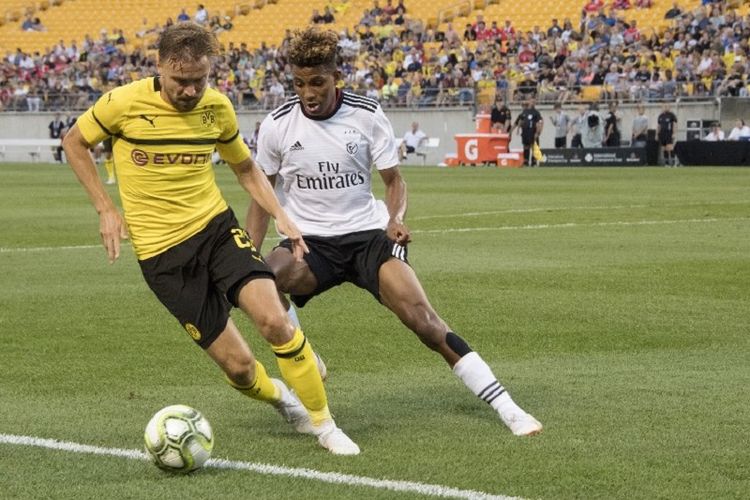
179, 439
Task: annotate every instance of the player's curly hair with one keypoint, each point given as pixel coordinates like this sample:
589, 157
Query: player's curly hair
187, 42
313, 47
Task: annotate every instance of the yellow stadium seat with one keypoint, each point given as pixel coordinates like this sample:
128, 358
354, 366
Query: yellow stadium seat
591, 92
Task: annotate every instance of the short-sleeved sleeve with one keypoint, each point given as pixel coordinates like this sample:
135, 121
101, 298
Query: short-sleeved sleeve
384, 149
103, 119
269, 154
230, 145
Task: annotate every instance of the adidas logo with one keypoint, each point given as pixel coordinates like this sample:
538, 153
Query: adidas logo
296, 147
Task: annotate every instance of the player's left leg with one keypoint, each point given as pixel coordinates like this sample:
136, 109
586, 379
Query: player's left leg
402, 293
109, 166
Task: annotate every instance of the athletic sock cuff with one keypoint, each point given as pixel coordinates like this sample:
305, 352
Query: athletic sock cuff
291, 348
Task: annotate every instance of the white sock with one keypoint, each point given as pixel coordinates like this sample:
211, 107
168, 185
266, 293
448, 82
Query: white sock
292, 313
478, 377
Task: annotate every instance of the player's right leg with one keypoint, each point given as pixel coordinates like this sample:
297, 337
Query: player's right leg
296, 360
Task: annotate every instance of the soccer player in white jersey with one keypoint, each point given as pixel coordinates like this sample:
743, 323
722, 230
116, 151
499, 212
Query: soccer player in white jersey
323, 144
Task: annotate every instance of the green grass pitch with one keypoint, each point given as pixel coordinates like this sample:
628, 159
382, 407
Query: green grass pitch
613, 303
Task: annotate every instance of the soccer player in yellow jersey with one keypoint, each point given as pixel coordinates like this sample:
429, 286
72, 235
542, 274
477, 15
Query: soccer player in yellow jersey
193, 253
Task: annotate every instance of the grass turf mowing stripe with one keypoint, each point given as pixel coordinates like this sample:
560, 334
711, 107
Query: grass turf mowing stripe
458, 230
434, 490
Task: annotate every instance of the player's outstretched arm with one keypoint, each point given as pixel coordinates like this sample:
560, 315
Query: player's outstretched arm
396, 201
111, 226
257, 218
255, 182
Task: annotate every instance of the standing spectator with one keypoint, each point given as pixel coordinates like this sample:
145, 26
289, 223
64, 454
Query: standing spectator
561, 121
530, 124
183, 16
577, 126
274, 94
612, 125
56, 128
252, 141
500, 116
639, 135
666, 131
592, 134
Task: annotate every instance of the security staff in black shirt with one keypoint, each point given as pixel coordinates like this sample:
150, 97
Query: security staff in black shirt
531, 124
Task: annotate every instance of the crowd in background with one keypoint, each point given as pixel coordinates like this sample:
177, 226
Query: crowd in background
399, 61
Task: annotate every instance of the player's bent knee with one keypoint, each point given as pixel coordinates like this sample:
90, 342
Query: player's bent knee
275, 328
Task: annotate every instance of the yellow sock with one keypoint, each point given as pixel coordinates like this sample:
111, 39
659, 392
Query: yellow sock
109, 166
261, 389
298, 367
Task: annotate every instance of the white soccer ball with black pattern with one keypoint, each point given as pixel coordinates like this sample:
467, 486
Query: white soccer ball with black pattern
179, 439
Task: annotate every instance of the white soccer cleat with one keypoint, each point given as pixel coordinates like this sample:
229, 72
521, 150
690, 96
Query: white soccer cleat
293, 411
334, 440
520, 423
321, 367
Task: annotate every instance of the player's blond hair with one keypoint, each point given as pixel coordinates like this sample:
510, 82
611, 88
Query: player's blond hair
313, 47
187, 42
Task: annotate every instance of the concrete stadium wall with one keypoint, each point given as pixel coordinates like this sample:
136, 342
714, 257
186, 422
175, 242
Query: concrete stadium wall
441, 123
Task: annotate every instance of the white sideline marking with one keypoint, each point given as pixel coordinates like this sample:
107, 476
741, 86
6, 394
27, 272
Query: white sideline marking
455, 230
564, 225
434, 490
46, 249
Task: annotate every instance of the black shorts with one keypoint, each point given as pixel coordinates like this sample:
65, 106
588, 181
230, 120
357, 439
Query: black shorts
410, 149
107, 144
199, 279
561, 142
354, 257
665, 140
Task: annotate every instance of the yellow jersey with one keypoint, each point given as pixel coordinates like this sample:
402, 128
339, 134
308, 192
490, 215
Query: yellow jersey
163, 159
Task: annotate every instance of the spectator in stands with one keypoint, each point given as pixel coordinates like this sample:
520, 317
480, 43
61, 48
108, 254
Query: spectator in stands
561, 121
413, 139
328, 17
527, 87
621, 4
530, 125
367, 19
500, 116
201, 14
470, 33
639, 135
716, 134
673, 12
183, 16
28, 23
740, 132
643, 4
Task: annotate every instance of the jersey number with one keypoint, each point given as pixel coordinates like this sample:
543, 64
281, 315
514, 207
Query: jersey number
242, 239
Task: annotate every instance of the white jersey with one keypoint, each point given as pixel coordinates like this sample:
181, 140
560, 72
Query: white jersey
325, 165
